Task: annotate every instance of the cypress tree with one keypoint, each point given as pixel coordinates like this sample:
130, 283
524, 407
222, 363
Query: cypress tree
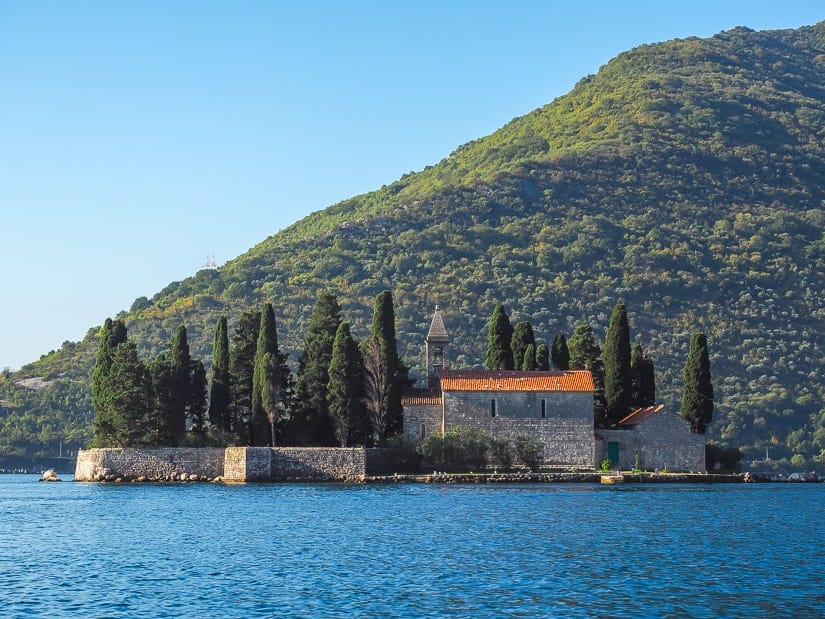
697, 397
119, 390
130, 396
162, 401
382, 331
500, 333
522, 338
560, 354
543, 357
642, 377
266, 381
219, 390
198, 403
241, 365
344, 387
618, 388
585, 354
529, 364
181, 385
312, 424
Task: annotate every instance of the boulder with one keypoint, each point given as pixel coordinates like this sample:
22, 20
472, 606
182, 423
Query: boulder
50, 475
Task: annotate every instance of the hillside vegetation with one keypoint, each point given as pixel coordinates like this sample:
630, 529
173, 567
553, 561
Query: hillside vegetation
684, 178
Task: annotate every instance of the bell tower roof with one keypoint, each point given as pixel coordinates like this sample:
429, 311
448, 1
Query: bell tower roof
438, 331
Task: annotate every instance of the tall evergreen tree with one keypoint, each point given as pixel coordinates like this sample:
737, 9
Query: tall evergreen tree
697, 397
560, 354
529, 364
500, 333
241, 369
120, 390
585, 354
181, 385
345, 382
618, 388
382, 331
162, 401
522, 338
543, 357
266, 381
198, 403
220, 397
111, 335
642, 377
311, 423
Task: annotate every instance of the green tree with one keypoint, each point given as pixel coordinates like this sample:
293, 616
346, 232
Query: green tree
181, 385
642, 378
618, 387
241, 369
126, 421
529, 364
560, 354
220, 396
382, 330
162, 401
312, 423
543, 357
522, 338
120, 389
585, 354
266, 381
111, 335
345, 382
198, 403
500, 333
697, 396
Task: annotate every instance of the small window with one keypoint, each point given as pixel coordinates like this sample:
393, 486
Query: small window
492, 408
423, 431
543, 408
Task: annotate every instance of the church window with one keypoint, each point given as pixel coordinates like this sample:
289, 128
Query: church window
493, 407
543, 408
423, 431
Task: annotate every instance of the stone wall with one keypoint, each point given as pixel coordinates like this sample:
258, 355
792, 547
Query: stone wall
663, 441
418, 417
236, 464
565, 431
157, 463
318, 463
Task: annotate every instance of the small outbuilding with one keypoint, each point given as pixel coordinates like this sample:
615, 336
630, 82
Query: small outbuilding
660, 439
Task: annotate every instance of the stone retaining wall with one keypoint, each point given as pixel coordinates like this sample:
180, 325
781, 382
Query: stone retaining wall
156, 463
236, 464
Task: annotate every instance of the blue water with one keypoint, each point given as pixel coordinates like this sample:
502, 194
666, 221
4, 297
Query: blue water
87, 550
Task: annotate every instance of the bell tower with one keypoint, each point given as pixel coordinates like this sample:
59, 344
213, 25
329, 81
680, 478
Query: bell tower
437, 346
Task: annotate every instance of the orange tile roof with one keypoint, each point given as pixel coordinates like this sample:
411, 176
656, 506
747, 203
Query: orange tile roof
640, 414
509, 380
421, 397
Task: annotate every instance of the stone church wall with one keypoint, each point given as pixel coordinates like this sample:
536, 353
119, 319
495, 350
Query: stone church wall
418, 417
565, 432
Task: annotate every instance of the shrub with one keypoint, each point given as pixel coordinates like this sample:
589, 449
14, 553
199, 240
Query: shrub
460, 448
501, 450
529, 451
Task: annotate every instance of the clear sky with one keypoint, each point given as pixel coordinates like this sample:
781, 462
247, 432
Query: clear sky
138, 138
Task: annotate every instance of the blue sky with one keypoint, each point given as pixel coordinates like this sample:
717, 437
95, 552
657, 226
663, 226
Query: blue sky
141, 137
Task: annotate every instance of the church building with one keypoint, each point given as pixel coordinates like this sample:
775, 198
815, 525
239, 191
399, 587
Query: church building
555, 407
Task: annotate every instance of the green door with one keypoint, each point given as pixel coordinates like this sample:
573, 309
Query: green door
613, 452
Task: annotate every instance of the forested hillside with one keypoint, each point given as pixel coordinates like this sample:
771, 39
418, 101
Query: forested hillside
684, 178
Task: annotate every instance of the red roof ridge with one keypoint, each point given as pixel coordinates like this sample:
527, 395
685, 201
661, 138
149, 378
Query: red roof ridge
641, 414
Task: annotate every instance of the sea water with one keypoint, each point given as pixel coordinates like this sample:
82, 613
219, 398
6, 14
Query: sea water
335, 550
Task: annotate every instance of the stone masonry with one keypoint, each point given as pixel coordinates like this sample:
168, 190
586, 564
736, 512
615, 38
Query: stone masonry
235, 464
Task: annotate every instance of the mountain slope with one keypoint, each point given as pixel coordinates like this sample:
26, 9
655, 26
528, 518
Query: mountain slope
684, 178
